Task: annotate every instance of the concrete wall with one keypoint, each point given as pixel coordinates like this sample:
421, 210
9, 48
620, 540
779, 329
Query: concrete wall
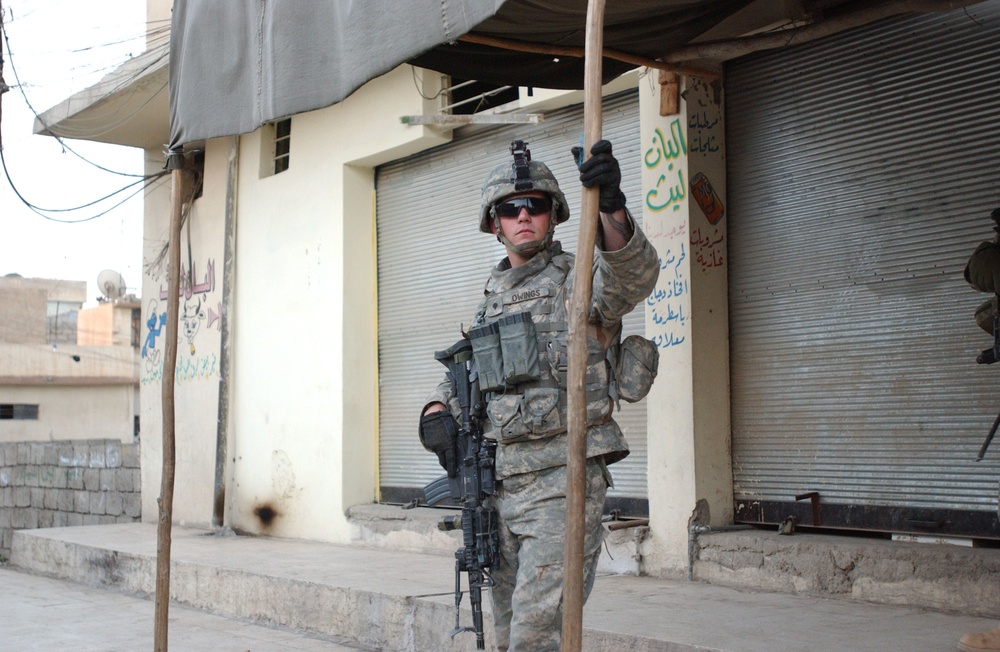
106, 324
70, 412
687, 316
304, 404
299, 422
81, 392
22, 320
24, 306
55, 289
62, 483
198, 369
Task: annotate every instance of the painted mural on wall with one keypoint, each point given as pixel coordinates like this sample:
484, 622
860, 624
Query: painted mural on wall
200, 313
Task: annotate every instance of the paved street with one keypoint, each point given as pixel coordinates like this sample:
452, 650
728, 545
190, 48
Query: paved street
41, 613
395, 600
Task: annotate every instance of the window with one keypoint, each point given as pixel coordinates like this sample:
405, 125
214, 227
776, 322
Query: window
18, 411
136, 337
276, 147
282, 144
61, 321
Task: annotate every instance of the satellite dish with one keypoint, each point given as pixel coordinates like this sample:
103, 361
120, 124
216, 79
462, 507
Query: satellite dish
111, 284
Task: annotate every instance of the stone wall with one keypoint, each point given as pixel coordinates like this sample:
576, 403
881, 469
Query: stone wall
938, 576
60, 483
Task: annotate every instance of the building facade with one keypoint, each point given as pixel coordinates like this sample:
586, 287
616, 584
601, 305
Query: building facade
66, 373
812, 207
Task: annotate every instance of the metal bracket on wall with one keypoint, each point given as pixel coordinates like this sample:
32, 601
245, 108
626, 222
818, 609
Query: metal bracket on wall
447, 120
813, 496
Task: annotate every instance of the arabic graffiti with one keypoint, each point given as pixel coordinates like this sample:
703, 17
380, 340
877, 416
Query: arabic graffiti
703, 138
656, 230
708, 247
188, 286
661, 157
187, 369
666, 302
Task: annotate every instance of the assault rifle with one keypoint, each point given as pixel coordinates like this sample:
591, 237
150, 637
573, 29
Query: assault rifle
470, 483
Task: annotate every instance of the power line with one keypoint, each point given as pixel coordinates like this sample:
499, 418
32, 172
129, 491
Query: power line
142, 178
13, 69
39, 211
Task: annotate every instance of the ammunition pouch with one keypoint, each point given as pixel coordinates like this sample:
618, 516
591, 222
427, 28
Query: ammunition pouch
520, 348
439, 435
533, 414
638, 359
487, 352
506, 352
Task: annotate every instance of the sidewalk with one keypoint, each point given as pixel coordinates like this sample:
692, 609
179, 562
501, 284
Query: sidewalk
303, 595
41, 613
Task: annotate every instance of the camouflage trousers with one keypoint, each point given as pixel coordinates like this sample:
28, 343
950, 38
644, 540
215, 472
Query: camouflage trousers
528, 578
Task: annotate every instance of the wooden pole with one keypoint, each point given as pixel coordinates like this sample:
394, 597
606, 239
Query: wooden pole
166, 500
576, 464
531, 47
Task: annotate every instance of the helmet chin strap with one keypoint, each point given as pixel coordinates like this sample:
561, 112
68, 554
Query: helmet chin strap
527, 249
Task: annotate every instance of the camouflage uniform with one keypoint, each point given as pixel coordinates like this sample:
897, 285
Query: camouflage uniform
983, 272
529, 423
983, 269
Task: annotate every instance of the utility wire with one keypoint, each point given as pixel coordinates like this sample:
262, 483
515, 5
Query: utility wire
42, 211
20, 86
39, 211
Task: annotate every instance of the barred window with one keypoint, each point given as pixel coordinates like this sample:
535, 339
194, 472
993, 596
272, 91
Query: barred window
275, 147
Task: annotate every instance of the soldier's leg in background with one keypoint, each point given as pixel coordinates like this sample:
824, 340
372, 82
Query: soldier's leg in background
539, 519
597, 491
504, 574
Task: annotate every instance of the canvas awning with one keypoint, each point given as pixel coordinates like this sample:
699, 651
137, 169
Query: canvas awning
235, 66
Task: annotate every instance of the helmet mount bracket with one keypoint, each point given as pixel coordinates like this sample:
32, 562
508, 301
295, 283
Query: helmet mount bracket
520, 176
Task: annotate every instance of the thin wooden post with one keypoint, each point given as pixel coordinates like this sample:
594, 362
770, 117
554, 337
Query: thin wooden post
576, 464
166, 500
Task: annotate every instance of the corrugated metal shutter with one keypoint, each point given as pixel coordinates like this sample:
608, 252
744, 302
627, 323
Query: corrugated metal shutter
433, 262
863, 170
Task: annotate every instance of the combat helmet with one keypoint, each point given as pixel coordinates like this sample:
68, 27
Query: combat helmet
523, 175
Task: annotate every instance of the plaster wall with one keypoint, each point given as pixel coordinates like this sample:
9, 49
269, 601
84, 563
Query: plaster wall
22, 320
686, 316
67, 412
95, 326
304, 390
302, 407
197, 372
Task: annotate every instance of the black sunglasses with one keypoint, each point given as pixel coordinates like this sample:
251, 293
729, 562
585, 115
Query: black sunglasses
512, 207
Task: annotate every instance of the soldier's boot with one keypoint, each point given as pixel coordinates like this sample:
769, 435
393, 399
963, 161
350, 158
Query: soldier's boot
980, 641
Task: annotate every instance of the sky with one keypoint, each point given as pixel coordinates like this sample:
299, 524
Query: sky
57, 48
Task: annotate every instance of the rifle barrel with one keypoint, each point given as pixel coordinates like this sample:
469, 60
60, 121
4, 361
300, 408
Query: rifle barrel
989, 438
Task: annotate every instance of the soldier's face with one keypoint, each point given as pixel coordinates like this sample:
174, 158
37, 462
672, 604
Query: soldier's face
525, 221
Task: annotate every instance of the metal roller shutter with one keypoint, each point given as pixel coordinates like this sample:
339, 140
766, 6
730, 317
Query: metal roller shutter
433, 262
863, 170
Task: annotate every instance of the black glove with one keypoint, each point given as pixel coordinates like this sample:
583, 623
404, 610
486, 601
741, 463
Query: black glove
602, 170
439, 434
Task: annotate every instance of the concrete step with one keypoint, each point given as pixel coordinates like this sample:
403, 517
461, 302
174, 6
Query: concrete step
390, 599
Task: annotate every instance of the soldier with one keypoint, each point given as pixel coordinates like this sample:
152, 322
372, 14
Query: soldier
983, 273
522, 373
